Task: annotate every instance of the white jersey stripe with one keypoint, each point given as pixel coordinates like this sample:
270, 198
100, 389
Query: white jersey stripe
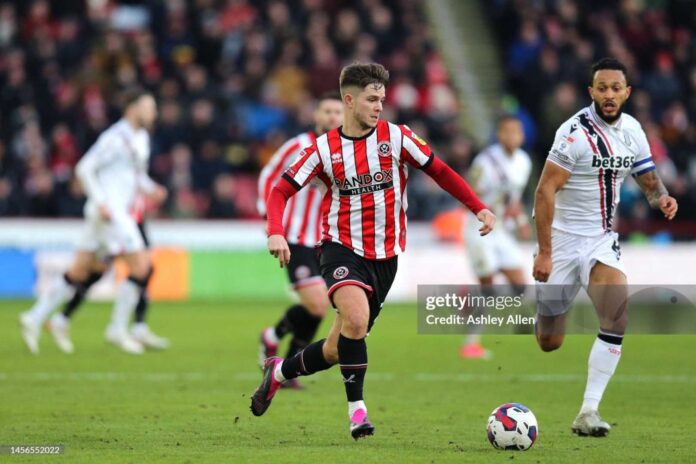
350, 169
380, 211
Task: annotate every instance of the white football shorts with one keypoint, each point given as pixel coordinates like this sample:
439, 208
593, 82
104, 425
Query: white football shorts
111, 238
493, 252
573, 257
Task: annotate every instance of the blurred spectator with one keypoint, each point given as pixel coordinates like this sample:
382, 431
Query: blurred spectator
71, 200
222, 201
549, 47
233, 78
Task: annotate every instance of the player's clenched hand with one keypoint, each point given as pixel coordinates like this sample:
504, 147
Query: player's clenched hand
278, 247
542, 267
488, 220
158, 194
668, 206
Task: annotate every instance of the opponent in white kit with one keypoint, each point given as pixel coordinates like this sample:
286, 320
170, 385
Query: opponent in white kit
498, 175
575, 205
113, 173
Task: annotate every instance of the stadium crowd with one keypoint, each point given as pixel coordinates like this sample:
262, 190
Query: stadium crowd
233, 78
548, 47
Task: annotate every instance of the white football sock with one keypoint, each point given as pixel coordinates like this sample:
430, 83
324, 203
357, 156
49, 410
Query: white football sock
127, 297
472, 338
270, 336
59, 320
140, 328
604, 357
58, 292
278, 372
354, 406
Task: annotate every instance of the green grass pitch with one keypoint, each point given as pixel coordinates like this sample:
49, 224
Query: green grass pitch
190, 404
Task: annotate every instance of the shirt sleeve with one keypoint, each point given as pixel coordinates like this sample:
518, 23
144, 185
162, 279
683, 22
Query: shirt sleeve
644, 161
565, 149
416, 151
305, 168
453, 184
88, 167
277, 201
270, 174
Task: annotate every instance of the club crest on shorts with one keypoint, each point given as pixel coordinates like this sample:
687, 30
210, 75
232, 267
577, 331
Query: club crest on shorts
340, 272
302, 272
384, 149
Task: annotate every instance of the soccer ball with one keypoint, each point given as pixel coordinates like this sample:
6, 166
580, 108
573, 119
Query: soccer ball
512, 426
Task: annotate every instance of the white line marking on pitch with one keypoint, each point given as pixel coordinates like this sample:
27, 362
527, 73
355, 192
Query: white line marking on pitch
372, 376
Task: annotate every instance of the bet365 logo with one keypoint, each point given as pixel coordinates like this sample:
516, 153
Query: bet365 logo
612, 162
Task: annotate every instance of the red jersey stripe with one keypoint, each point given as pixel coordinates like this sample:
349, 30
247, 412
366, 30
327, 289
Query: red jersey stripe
387, 164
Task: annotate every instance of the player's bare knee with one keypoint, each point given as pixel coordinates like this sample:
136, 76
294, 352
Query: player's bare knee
355, 325
139, 266
77, 274
355, 331
549, 343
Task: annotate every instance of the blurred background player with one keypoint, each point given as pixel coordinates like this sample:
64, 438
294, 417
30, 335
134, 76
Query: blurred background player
364, 164
575, 206
59, 324
113, 173
302, 223
498, 175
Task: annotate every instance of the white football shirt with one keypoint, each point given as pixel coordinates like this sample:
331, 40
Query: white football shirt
598, 156
114, 169
499, 178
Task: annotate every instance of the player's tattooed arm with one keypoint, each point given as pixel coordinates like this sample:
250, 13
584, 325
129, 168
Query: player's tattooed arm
652, 186
657, 194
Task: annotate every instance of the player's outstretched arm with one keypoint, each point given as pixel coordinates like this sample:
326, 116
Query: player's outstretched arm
553, 177
271, 172
277, 201
656, 193
453, 184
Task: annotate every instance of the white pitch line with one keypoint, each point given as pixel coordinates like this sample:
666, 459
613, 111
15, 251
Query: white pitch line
371, 376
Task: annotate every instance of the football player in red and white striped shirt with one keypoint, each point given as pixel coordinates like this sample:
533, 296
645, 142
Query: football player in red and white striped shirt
364, 165
302, 228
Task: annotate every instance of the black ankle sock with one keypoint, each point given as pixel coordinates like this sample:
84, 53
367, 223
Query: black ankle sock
74, 302
81, 290
352, 356
291, 319
141, 307
306, 325
306, 362
296, 345
304, 329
